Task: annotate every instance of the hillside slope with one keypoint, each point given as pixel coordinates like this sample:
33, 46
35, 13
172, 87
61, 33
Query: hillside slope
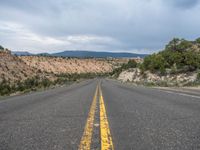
27, 73
59, 65
177, 65
19, 68
13, 68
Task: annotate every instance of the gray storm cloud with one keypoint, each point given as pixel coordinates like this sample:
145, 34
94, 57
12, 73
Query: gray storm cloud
142, 26
183, 3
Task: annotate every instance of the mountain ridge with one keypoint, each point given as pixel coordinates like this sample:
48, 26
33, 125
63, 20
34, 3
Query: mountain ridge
84, 54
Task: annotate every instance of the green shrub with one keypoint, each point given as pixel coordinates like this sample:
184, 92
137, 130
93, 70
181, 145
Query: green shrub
198, 40
178, 53
46, 82
155, 63
198, 77
117, 71
130, 64
178, 45
173, 44
174, 69
192, 60
172, 57
1, 47
36, 82
5, 87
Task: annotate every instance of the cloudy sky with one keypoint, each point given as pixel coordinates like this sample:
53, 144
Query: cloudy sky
141, 26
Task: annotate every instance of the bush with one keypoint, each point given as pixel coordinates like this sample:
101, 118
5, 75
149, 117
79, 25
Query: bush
46, 82
1, 47
155, 63
178, 56
172, 57
178, 45
29, 84
174, 69
173, 44
192, 60
198, 76
198, 40
36, 82
130, 64
116, 72
5, 87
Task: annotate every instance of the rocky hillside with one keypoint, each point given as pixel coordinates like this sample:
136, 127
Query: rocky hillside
136, 76
27, 73
177, 65
13, 68
58, 65
19, 68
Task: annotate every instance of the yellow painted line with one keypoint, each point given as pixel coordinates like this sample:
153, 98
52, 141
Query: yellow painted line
86, 139
106, 139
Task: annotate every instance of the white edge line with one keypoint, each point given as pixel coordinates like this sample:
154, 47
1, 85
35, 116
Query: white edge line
182, 94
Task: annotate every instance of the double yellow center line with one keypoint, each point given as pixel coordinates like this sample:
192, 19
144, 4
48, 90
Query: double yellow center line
106, 139
87, 135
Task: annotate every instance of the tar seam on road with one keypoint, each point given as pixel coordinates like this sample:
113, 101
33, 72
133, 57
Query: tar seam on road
106, 139
87, 135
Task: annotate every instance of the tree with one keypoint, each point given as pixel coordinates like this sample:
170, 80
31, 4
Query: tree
192, 60
130, 64
198, 76
5, 87
155, 63
184, 45
178, 45
178, 56
198, 40
1, 47
172, 57
173, 44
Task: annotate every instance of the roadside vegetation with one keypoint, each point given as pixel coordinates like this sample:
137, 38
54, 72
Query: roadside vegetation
36, 83
66, 78
177, 65
1, 47
30, 84
131, 64
30, 73
179, 56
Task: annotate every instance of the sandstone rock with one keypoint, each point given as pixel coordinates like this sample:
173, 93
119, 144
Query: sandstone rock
134, 75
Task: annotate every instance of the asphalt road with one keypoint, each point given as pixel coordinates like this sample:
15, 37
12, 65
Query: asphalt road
101, 114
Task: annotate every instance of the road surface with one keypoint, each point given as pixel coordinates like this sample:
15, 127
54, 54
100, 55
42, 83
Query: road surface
101, 114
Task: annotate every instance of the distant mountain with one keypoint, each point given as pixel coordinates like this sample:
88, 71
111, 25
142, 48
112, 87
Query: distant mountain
83, 54
44, 54
24, 53
21, 53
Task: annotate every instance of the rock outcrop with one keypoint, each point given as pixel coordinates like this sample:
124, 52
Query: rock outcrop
136, 76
